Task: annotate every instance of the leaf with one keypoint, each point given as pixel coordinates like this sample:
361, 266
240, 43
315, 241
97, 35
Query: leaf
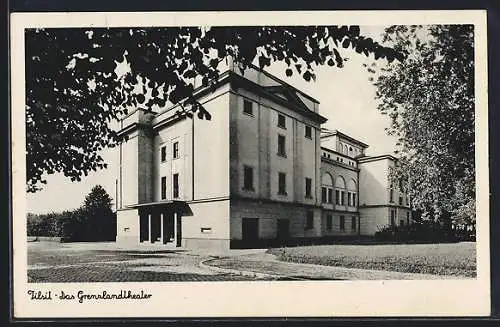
345, 43
288, 72
307, 76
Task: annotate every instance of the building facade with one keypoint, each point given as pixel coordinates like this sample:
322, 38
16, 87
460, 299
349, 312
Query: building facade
256, 171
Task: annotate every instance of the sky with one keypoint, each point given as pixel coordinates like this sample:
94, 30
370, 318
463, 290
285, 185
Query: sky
346, 98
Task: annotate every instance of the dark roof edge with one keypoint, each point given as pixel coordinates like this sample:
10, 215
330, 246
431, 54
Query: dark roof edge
375, 158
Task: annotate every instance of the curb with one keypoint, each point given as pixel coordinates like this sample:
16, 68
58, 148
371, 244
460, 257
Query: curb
236, 272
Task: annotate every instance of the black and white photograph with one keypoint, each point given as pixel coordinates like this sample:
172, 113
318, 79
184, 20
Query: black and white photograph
208, 154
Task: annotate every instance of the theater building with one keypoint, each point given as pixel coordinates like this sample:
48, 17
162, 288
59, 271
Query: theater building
260, 170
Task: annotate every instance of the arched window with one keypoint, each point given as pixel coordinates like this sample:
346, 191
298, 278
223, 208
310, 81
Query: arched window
326, 188
340, 191
346, 151
352, 192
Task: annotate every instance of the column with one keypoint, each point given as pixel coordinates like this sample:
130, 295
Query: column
149, 229
175, 228
161, 229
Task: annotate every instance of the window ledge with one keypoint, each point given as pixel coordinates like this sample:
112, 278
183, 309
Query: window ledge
248, 114
248, 189
282, 194
283, 155
308, 197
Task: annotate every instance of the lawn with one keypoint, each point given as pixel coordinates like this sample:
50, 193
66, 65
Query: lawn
453, 259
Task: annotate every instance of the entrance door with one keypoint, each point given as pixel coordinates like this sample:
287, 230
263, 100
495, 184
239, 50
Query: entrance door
283, 230
250, 230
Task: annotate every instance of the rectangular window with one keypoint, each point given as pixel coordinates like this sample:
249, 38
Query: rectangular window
163, 188
401, 222
248, 107
342, 198
353, 223
282, 183
308, 187
354, 203
393, 217
163, 153
281, 145
349, 199
175, 150
310, 220
337, 197
391, 195
248, 178
400, 200
329, 222
308, 132
330, 194
175, 186
342, 223
281, 121
323, 194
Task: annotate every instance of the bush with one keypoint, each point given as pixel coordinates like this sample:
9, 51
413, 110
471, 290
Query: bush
425, 231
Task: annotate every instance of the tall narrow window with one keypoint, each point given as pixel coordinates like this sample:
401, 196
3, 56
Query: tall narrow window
281, 145
330, 194
349, 199
282, 183
393, 217
354, 203
175, 150
308, 188
163, 188
323, 194
163, 153
329, 222
308, 132
408, 217
248, 107
353, 223
337, 197
281, 121
391, 194
342, 198
342, 223
310, 220
175, 186
248, 178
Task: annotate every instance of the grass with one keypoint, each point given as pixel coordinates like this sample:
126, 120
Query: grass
453, 259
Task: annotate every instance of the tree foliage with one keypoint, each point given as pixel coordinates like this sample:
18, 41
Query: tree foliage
93, 221
429, 99
74, 91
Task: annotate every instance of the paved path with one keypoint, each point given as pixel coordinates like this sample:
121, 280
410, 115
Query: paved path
107, 262
267, 264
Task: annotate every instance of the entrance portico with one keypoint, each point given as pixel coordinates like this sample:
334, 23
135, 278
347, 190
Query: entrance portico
161, 222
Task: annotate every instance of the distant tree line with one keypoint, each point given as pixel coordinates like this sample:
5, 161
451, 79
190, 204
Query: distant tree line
93, 221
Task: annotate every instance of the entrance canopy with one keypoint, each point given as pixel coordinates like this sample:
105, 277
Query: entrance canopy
180, 207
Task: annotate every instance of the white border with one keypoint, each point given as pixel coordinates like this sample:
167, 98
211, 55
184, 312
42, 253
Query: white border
257, 299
